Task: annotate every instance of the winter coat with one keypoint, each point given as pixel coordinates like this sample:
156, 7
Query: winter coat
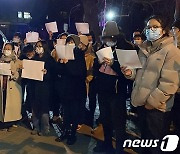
111, 84
158, 79
10, 109
41, 91
73, 76
89, 58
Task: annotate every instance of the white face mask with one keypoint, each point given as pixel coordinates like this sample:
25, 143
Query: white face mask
16, 40
39, 50
153, 35
137, 42
7, 53
111, 43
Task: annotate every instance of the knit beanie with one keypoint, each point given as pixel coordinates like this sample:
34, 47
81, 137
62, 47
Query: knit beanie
110, 29
75, 38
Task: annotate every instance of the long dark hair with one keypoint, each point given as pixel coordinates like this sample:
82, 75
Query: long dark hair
45, 47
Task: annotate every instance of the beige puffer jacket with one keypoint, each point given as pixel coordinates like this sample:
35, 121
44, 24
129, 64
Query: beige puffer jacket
158, 80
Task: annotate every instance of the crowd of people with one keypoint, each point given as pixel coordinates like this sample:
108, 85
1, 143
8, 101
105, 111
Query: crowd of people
68, 84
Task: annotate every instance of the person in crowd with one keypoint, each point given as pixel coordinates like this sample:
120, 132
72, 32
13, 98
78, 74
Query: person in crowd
137, 39
28, 54
56, 85
18, 44
156, 82
112, 88
73, 75
41, 100
85, 46
90, 81
176, 107
11, 95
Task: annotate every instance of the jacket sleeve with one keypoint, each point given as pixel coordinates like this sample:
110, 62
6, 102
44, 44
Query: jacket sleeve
168, 82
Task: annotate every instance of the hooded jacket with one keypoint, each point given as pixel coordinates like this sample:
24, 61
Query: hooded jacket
158, 79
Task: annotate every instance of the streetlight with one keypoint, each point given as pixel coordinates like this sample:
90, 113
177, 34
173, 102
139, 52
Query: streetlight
73, 8
110, 15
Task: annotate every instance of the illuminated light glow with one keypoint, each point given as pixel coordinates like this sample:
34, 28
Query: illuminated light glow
110, 15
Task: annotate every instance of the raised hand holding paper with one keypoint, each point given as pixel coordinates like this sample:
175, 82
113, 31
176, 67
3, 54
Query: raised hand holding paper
33, 70
52, 26
82, 28
105, 53
128, 58
32, 37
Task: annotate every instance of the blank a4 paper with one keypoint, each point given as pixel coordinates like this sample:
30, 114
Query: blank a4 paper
5, 69
33, 70
65, 51
104, 53
128, 58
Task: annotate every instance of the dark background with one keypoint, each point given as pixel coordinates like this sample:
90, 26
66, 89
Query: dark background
130, 14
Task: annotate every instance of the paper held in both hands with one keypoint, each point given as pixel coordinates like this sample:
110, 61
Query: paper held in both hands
5, 69
104, 53
33, 70
65, 51
128, 58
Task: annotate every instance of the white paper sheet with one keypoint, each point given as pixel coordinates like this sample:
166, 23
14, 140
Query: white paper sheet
33, 70
70, 52
61, 41
5, 69
82, 28
65, 51
128, 58
51, 26
32, 37
104, 53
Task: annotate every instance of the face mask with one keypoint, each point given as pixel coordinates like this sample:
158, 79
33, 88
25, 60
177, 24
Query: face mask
111, 43
7, 53
16, 40
39, 50
30, 57
137, 42
153, 35
91, 42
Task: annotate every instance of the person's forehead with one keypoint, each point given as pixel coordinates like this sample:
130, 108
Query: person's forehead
153, 22
8, 46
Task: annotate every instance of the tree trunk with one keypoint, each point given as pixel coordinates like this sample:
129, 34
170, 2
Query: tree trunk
91, 16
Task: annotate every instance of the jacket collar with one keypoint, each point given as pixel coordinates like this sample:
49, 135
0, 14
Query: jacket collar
149, 48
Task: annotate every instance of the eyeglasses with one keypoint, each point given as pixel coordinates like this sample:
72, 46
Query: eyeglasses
154, 28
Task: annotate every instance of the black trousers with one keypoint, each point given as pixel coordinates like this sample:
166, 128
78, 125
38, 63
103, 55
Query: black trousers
71, 113
113, 116
154, 124
92, 100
